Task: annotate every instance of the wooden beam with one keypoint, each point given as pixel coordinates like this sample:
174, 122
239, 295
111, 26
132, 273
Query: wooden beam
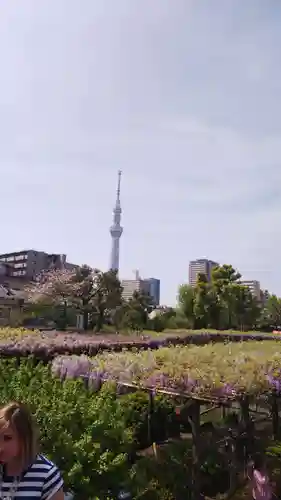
209, 409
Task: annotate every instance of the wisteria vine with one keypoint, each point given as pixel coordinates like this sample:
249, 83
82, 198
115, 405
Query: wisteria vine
219, 370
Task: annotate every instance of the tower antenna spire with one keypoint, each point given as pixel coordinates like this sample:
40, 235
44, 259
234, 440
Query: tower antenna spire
116, 229
119, 185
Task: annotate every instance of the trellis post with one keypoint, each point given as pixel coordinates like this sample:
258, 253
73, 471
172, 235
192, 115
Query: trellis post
149, 417
194, 420
247, 427
245, 415
275, 415
233, 473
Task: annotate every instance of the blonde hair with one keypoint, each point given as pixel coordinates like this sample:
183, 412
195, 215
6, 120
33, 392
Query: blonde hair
19, 418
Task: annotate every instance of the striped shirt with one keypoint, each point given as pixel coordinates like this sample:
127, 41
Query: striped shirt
41, 480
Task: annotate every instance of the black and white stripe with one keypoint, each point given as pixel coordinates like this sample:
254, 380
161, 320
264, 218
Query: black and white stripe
41, 480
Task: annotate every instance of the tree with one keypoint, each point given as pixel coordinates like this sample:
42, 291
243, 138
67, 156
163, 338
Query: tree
271, 317
107, 295
224, 275
223, 279
55, 288
97, 295
134, 313
220, 303
91, 292
202, 302
245, 308
186, 302
84, 292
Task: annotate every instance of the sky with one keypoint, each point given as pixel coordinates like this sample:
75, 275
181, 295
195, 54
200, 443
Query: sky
182, 95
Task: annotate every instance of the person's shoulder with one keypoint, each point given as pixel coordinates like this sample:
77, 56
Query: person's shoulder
43, 465
49, 474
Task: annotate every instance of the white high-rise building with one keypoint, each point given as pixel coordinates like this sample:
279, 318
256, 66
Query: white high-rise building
254, 287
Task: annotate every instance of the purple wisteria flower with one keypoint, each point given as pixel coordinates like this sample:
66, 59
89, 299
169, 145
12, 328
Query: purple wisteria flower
95, 380
225, 391
160, 380
275, 380
188, 384
71, 366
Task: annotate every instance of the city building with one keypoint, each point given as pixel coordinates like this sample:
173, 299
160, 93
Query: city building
153, 286
264, 296
200, 266
8, 280
150, 286
27, 264
133, 285
254, 287
116, 230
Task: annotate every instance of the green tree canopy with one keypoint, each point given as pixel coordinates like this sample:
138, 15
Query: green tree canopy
222, 302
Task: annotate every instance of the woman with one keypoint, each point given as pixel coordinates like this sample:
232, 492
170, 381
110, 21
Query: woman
23, 472
261, 487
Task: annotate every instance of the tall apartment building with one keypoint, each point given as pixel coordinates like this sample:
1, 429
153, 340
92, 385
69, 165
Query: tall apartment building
254, 287
149, 286
200, 266
153, 285
27, 264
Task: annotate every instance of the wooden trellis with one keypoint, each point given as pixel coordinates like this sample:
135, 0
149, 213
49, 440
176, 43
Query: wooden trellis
191, 411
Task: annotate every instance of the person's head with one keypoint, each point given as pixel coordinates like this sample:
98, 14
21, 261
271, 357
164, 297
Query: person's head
259, 462
17, 435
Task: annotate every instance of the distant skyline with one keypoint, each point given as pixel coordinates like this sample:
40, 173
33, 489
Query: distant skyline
182, 96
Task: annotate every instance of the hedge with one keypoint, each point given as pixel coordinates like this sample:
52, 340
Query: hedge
19, 342
90, 436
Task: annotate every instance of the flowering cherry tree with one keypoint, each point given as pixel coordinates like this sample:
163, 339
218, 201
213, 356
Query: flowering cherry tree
53, 288
90, 291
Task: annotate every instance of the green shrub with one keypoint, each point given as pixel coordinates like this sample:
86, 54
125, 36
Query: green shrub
178, 322
90, 436
166, 478
163, 422
84, 433
157, 324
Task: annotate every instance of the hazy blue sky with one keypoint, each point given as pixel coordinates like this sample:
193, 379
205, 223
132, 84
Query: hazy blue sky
183, 96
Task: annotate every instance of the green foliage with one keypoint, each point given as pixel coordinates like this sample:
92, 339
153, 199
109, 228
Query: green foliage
274, 450
83, 433
88, 435
186, 298
272, 312
179, 321
158, 323
163, 421
97, 294
134, 313
166, 478
87, 291
220, 303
